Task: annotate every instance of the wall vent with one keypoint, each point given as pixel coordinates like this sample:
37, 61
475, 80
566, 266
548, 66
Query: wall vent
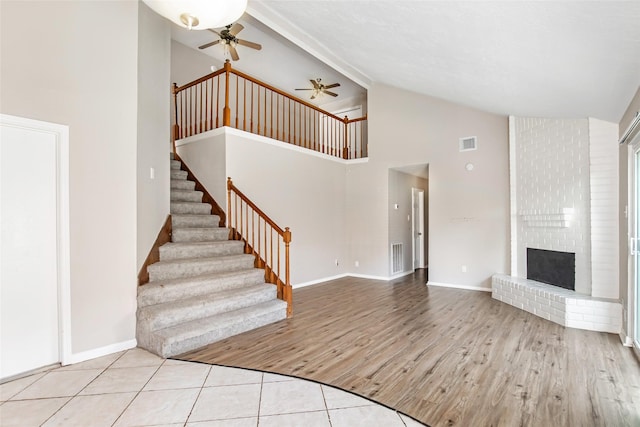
397, 261
469, 143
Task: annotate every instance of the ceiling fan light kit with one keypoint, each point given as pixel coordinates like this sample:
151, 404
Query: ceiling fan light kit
199, 14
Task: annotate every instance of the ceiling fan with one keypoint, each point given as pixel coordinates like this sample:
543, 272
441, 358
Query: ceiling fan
320, 88
230, 41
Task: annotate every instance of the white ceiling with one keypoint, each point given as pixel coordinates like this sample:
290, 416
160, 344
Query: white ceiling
540, 59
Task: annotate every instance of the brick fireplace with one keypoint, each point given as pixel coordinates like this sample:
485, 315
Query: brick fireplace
563, 179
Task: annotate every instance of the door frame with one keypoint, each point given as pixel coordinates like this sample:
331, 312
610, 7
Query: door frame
61, 134
417, 193
633, 218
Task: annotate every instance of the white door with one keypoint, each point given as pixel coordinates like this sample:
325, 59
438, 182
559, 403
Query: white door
417, 201
29, 278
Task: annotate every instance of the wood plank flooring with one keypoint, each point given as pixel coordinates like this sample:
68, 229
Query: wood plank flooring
443, 356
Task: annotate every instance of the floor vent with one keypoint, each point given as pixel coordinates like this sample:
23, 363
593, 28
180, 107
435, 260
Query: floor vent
397, 261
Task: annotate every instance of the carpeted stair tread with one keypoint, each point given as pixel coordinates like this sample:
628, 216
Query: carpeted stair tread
171, 251
186, 196
182, 184
198, 333
200, 234
179, 174
176, 164
162, 291
190, 208
165, 315
194, 221
197, 266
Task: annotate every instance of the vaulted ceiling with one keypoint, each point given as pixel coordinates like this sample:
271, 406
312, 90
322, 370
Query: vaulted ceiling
541, 58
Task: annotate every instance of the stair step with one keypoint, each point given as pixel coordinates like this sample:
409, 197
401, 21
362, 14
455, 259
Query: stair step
194, 221
190, 208
181, 235
176, 164
178, 174
186, 196
171, 251
182, 184
196, 266
162, 291
198, 333
160, 316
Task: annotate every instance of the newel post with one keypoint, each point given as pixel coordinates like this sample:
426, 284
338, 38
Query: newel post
176, 128
229, 187
226, 112
345, 149
287, 283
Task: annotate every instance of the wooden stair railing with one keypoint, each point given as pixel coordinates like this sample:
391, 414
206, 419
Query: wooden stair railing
262, 238
228, 97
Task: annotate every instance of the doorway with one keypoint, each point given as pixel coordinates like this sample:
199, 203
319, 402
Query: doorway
417, 227
634, 258
34, 283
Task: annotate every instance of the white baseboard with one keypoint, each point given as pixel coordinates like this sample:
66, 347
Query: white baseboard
466, 287
99, 352
318, 281
626, 340
359, 276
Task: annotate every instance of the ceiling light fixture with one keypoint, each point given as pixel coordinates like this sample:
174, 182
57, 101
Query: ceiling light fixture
199, 14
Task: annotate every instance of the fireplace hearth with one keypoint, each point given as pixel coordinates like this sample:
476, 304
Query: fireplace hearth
552, 267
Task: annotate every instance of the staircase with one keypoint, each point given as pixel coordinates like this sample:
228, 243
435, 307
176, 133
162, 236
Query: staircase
204, 288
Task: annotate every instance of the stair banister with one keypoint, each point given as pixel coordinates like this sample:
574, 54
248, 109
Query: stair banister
299, 123
238, 225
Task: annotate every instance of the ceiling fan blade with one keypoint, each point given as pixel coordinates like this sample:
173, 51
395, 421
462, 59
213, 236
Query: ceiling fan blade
306, 89
252, 45
313, 96
329, 93
235, 29
315, 84
234, 53
204, 46
332, 86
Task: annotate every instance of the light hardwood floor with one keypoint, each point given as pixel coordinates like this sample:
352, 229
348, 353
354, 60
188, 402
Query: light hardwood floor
443, 356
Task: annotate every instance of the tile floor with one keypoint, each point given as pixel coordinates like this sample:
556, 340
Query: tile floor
137, 388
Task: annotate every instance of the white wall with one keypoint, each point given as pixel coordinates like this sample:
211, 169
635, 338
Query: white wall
468, 211
75, 63
552, 173
154, 138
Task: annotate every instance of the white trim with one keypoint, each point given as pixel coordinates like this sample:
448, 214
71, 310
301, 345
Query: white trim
625, 339
101, 351
61, 133
319, 281
266, 140
359, 276
466, 287
630, 129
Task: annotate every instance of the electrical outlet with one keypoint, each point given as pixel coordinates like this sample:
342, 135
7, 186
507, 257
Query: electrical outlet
337, 263
464, 268
152, 173
357, 263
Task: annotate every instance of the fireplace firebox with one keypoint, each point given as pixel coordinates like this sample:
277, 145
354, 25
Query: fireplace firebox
552, 267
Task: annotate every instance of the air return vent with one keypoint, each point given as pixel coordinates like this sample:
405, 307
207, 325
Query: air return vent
397, 261
468, 143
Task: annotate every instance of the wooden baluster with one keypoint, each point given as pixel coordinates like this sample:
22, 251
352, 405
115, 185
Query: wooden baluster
264, 122
237, 97
244, 105
258, 106
226, 112
251, 117
229, 216
211, 104
218, 103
